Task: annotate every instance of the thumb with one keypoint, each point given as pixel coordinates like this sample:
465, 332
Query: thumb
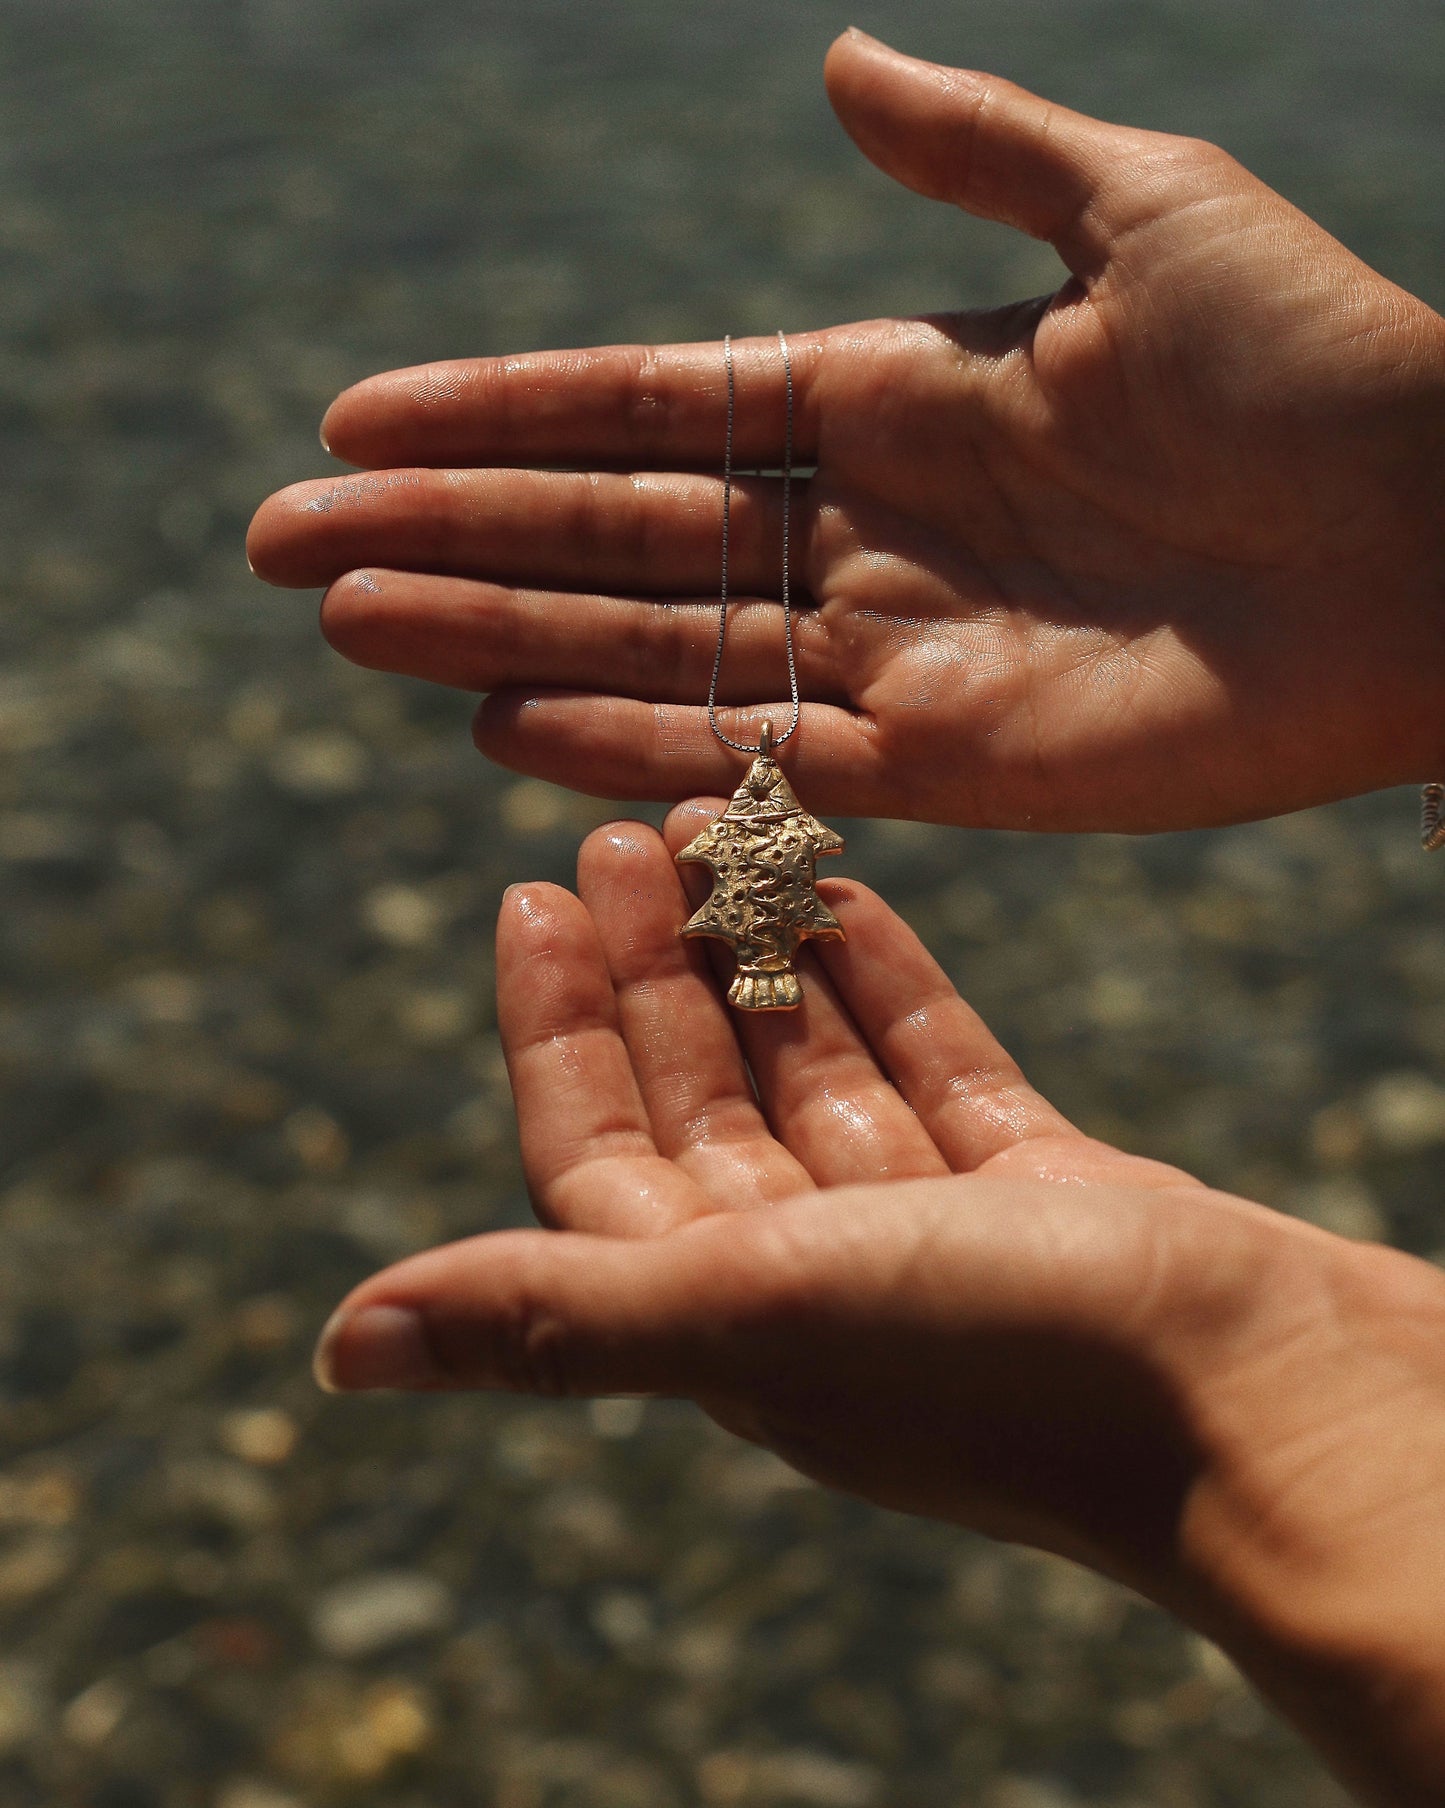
989, 147
556, 1312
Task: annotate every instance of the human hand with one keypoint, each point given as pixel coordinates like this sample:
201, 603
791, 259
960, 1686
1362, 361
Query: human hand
1160, 550
857, 1236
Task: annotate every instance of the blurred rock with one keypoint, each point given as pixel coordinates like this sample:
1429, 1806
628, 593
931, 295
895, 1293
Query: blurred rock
580, 1530
1072, 1596
236, 1642
230, 1493
267, 1323
96, 1712
703, 1653
1338, 1134
619, 1417
22, 1706
539, 1446
806, 1778
403, 915
1028, 1792
36, 838
623, 1618
435, 1017
372, 1613
340, 1735
322, 762
34, 1563
530, 807
1344, 1206
318, 1141
749, 1480
1405, 1111
263, 1435
165, 997
41, 1497
246, 1792
255, 716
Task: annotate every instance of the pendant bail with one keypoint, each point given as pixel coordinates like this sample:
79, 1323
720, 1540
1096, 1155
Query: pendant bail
765, 739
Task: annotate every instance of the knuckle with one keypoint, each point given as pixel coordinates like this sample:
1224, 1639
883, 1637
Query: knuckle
351, 612
818, 654
663, 650
647, 403
641, 647
604, 517
670, 736
640, 523
535, 1351
793, 1275
1205, 154
1197, 162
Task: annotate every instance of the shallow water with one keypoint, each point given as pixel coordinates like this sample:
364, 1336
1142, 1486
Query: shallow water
245, 1018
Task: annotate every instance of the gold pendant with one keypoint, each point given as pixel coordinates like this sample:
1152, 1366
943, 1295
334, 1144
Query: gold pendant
764, 897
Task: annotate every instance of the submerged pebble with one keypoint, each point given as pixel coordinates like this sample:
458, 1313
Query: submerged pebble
371, 1613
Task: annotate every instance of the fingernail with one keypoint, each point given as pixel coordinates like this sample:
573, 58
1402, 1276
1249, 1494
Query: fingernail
321, 435
523, 901
377, 1347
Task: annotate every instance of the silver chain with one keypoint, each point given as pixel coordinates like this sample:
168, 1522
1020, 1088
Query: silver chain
766, 740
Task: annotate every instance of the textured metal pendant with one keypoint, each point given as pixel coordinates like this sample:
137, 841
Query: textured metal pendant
764, 900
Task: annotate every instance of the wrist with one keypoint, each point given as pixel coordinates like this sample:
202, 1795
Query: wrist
1420, 476
1312, 1544
1394, 585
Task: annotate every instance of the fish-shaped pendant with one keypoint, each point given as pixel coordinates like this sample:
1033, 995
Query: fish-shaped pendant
764, 898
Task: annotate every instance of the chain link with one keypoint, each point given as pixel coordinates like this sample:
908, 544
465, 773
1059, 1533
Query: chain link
722, 624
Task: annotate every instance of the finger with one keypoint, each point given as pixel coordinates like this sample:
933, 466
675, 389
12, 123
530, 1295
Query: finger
967, 1090
825, 1096
657, 534
683, 823
622, 748
702, 1309
994, 149
608, 405
690, 1070
483, 636
745, 1308
587, 1145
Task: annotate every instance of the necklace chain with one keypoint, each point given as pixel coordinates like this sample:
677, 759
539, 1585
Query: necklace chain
722, 623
